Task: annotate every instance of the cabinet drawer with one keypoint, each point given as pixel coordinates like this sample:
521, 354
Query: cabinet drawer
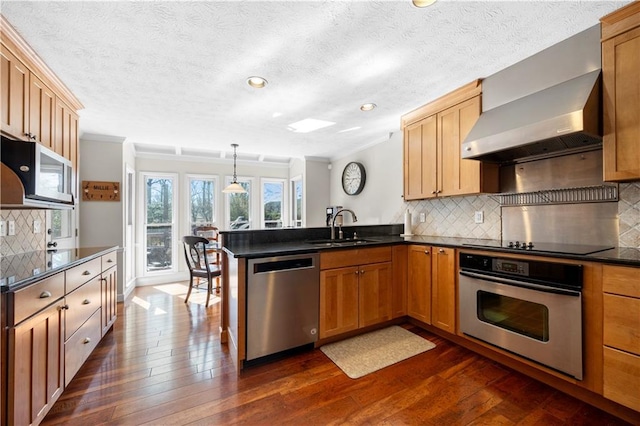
78, 348
30, 300
621, 280
82, 303
80, 274
109, 260
354, 257
622, 323
621, 375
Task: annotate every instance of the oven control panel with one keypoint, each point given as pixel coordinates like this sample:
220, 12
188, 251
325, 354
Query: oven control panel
512, 267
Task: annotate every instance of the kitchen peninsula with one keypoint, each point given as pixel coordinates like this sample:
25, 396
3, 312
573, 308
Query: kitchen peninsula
56, 305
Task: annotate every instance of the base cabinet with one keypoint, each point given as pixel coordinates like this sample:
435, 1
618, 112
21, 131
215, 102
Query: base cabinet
35, 373
356, 295
621, 335
431, 296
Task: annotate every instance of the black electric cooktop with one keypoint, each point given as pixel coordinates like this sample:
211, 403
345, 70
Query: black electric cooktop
524, 246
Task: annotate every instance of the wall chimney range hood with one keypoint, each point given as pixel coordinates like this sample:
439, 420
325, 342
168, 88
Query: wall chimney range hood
546, 105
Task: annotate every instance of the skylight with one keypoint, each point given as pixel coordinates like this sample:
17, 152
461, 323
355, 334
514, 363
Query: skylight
309, 125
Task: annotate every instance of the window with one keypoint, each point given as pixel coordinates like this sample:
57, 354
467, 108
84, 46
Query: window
296, 202
272, 203
202, 202
238, 206
159, 222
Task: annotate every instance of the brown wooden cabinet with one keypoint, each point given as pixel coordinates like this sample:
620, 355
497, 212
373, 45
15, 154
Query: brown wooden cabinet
14, 91
35, 373
443, 289
431, 286
355, 289
109, 292
621, 334
621, 89
35, 104
433, 136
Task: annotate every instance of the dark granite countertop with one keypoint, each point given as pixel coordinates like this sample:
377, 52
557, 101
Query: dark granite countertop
256, 248
20, 270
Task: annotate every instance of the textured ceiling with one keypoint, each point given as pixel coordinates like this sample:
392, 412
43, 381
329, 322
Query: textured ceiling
173, 73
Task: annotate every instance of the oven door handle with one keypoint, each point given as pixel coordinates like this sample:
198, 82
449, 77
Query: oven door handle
522, 284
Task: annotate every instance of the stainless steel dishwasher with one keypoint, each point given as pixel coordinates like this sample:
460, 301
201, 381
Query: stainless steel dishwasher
283, 302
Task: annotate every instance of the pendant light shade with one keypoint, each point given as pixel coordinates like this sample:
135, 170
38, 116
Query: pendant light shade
234, 187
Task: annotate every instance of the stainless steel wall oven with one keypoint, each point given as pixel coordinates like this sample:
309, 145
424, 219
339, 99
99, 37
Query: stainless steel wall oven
532, 308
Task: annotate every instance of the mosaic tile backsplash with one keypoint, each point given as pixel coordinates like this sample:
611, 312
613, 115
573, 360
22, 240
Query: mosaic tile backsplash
453, 217
24, 240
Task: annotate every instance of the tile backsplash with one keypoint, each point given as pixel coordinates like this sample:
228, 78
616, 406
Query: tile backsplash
454, 216
24, 240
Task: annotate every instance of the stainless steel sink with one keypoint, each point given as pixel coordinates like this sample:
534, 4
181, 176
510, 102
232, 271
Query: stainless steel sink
345, 242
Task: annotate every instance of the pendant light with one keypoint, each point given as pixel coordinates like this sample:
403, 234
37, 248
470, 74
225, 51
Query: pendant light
234, 187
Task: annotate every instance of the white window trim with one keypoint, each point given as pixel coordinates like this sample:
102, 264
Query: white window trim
252, 203
285, 203
292, 213
186, 210
142, 218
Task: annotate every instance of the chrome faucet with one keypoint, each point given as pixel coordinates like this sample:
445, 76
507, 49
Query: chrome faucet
333, 222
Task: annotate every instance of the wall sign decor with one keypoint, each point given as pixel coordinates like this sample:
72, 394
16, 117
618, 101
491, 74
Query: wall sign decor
100, 191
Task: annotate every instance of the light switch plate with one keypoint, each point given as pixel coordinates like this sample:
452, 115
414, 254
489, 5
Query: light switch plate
423, 218
37, 226
3, 228
478, 217
12, 227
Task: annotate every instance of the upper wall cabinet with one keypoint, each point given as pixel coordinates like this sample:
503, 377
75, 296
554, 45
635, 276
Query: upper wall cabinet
433, 135
621, 87
36, 105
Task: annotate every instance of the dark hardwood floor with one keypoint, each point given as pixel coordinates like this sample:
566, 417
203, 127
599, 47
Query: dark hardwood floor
163, 364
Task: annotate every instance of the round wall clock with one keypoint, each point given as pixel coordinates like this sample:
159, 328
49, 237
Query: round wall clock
353, 178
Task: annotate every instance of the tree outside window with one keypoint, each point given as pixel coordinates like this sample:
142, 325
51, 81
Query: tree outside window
272, 203
159, 226
240, 208
202, 202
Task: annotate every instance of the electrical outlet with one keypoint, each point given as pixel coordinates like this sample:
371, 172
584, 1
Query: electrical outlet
12, 227
478, 217
37, 226
423, 218
3, 228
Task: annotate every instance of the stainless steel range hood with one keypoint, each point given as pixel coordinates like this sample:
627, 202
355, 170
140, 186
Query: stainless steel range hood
549, 104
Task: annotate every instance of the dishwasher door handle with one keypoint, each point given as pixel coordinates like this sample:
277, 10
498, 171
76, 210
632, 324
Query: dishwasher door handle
283, 265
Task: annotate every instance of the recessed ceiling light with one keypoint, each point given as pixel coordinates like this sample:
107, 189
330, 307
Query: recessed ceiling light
367, 107
257, 82
423, 3
309, 125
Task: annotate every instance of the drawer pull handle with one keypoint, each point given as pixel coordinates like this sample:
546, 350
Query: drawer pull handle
86, 273
64, 307
86, 301
109, 261
86, 340
45, 294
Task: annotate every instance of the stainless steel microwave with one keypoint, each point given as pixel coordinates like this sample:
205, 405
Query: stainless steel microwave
45, 175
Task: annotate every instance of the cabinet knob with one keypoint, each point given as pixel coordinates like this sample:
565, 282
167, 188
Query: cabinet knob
357, 272
86, 302
426, 252
45, 294
438, 191
86, 273
86, 340
468, 149
433, 192
362, 272
441, 251
64, 307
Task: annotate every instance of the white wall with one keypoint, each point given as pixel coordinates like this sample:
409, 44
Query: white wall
381, 199
101, 222
316, 191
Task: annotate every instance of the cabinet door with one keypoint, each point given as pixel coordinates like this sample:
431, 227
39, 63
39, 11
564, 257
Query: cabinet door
419, 283
399, 288
420, 172
621, 377
66, 132
109, 298
443, 305
35, 366
374, 288
14, 94
338, 301
621, 98
41, 112
458, 176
